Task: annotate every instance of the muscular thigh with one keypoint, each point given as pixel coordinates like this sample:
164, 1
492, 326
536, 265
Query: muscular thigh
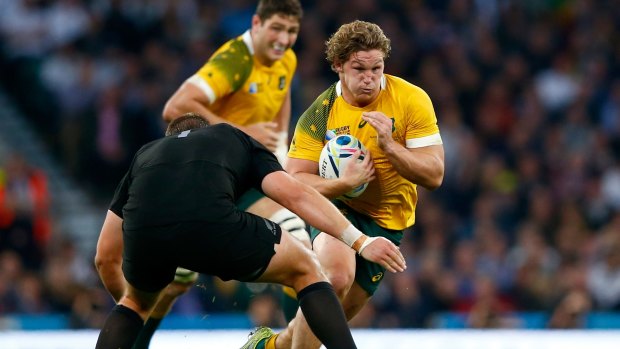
293, 265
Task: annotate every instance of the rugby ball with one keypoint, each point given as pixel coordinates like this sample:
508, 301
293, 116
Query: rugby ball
335, 155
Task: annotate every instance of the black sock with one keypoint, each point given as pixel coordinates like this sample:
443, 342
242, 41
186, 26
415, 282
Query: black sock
120, 329
325, 316
144, 338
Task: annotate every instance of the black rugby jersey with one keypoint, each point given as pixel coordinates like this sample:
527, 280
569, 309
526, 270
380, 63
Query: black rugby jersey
196, 175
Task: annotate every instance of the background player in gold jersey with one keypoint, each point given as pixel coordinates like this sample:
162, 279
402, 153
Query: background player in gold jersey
246, 83
395, 120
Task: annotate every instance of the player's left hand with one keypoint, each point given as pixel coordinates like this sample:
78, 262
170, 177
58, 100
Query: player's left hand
383, 252
382, 124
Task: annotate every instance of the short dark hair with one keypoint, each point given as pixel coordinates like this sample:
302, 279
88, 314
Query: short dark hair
186, 122
289, 8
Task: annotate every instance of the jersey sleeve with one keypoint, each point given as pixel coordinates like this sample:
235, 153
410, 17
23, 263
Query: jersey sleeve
311, 127
120, 196
262, 161
422, 128
226, 71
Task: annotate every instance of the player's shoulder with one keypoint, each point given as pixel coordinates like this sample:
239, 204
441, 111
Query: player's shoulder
323, 103
224, 127
234, 57
228, 130
234, 51
401, 87
221, 135
219, 128
149, 145
400, 84
327, 97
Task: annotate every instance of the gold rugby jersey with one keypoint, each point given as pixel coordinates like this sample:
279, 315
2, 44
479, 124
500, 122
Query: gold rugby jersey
389, 199
239, 87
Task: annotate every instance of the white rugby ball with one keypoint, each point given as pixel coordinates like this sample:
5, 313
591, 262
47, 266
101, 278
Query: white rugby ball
335, 155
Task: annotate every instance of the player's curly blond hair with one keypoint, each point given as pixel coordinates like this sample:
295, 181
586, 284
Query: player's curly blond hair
353, 37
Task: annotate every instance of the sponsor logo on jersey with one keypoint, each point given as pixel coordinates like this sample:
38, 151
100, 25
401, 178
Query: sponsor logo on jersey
282, 82
377, 277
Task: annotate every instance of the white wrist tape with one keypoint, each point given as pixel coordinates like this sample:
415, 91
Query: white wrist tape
366, 242
350, 235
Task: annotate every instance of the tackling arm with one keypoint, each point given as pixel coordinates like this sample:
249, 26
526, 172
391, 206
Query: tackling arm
317, 211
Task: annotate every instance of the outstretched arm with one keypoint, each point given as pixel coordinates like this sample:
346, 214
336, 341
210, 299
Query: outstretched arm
319, 212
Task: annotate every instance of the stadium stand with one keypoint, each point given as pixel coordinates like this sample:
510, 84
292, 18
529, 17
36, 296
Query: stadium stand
527, 95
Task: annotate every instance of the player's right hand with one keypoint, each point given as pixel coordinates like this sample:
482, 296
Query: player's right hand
264, 132
383, 252
356, 172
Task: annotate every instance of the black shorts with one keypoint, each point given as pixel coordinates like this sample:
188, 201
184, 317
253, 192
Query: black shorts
240, 251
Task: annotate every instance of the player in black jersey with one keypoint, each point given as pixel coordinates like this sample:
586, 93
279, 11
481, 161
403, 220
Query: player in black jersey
176, 207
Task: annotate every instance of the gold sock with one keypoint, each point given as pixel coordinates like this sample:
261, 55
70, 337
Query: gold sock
289, 291
271, 342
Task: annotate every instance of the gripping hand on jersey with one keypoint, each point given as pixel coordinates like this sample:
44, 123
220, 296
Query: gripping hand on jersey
264, 132
383, 125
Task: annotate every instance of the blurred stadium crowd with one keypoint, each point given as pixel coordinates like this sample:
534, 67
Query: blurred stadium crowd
527, 94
